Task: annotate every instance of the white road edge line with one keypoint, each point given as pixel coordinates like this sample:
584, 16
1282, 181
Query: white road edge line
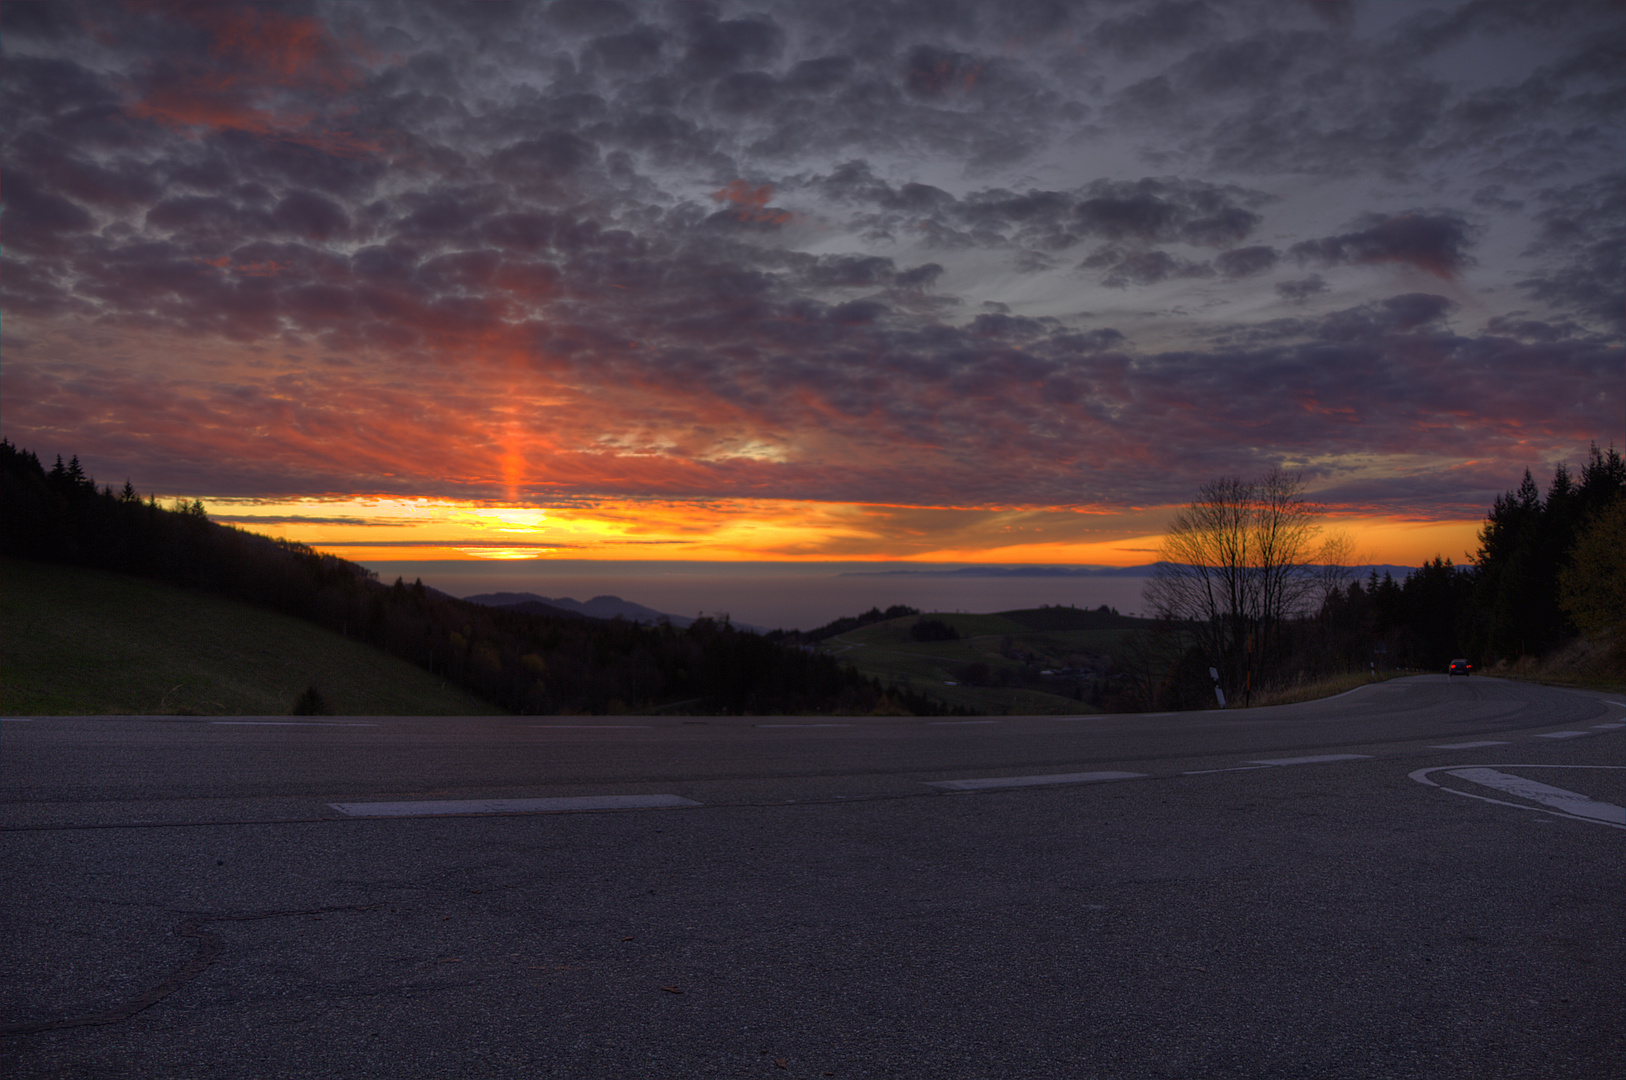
804, 725
1465, 745
1031, 781
1570, 802
1421, 776
444, 807
950, 723
589, 727
1234, 768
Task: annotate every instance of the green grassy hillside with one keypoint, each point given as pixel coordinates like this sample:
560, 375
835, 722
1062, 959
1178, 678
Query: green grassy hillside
1014, 648
76, 641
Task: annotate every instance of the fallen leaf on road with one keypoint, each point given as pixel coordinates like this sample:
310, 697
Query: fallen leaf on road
626, 939
673, 989
450, 960
781, 1063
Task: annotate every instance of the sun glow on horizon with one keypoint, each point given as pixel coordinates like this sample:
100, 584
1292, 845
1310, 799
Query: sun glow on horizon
365, 528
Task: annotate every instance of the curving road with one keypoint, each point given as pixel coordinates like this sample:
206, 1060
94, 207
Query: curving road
1420, 878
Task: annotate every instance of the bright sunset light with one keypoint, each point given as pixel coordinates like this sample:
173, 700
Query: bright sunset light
422, 529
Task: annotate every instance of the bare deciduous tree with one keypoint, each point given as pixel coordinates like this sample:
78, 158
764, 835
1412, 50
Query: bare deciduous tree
1235, 564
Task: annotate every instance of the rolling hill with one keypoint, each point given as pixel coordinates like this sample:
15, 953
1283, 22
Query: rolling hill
79, 641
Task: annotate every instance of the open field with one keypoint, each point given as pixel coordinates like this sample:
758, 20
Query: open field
76, 641
1015, 646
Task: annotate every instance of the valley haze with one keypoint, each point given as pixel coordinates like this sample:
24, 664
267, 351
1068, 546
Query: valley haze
800, 596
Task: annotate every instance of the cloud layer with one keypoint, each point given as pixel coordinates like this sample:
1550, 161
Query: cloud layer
923, 255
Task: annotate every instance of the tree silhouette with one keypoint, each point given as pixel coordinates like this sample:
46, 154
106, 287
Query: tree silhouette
1233, 567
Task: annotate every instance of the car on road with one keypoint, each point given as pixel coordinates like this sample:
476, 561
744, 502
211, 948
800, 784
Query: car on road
1459, 667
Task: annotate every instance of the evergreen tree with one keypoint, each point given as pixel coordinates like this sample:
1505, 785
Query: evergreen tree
1603, 480
1509, 549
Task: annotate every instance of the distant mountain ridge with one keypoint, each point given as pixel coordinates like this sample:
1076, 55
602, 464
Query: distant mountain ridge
1039, 571
599, 607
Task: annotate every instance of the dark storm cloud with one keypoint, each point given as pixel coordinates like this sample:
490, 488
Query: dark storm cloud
1161, 25
1246, 262
1142, 212
117, 183
1511, 325
1435, 242
1431, 31
35, 220
1397, 314
1301, 289
716, 46
1142, 267
588, 16
1155, 210
1583, 241
1273, 94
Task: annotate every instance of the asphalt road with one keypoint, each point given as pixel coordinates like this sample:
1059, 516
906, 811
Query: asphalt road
1424, 878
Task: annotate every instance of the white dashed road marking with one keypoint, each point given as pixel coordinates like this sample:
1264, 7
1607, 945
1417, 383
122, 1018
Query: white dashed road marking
1310, 760
510, 806
1560, 734
804, 725
295, 723
1031, 781
1606, 727
588, 727
1234, 768
1465, 745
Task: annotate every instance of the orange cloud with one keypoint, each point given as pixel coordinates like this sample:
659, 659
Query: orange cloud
752, 203
269, 268
259, 64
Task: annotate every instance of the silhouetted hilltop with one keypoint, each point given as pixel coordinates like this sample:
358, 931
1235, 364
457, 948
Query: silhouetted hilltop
533, 663
599, 607
529, 603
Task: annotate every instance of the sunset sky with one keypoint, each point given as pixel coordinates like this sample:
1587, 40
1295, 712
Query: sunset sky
948, 282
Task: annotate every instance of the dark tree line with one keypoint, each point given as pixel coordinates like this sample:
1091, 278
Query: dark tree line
525, 663
933, 630
1548, 568
843, 625
1527, 546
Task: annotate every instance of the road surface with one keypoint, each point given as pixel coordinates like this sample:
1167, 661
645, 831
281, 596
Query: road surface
1422, 878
